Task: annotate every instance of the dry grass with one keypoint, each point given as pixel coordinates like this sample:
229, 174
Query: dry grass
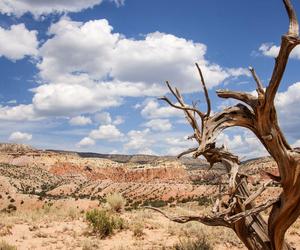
5, 246
142, 230
116, 202
46, 214
138, 229
90, 245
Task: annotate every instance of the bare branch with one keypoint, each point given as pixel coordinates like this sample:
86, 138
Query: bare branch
184, 107
288, 43
191, 150
207, 220
293, 26
253, 196
205, 90
253, 211
241, 96
259, 84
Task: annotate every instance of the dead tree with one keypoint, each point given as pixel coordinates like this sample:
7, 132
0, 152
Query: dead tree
258, 114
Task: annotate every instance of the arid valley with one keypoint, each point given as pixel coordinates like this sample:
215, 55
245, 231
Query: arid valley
46, 194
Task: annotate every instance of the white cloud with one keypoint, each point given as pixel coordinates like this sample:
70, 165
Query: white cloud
90, 58
296, 144
138, 141
245, 144
159, 124
287, 104
17, 113
20, 137
58, 99
103, 118
152, 110
78, 47
80, 121
119, 120
43, 7
86, 142
118, 2
271, 50
179, 142
18, 42
146, 151
106, 132
170, 57
91, 64
13, 101
176, 146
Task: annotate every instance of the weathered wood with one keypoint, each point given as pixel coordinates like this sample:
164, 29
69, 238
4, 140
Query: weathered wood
258, 114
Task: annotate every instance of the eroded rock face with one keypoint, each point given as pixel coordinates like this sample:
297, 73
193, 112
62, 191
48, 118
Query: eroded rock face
71, 164
15, 148
32, 176
166, 172
62, 175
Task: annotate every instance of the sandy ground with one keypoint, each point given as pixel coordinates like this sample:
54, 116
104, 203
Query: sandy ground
59, 228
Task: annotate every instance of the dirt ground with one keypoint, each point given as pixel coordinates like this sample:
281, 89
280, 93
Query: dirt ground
66, 228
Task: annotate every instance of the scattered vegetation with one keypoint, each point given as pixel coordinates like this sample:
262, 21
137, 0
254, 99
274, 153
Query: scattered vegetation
103, 223
116, 202
199, 243
90, 245
5, 246
138, 229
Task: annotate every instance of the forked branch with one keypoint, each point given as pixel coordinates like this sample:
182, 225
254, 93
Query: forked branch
235, 207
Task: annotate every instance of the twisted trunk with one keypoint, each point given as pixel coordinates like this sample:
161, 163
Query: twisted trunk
258, 114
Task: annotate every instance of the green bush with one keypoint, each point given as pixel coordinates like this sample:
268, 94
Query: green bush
116, 202
204, 201
104, 223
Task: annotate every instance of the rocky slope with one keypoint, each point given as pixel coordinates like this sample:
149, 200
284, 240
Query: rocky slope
56, 175
51, 176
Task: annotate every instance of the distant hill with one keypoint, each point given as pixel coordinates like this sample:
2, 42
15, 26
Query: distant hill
139, 158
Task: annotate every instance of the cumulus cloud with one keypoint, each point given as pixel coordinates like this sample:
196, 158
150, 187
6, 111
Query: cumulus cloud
245, 144
296, 144
159, 124
17, 113
176, 146
58, 99
80, 121
119, 120
287, 104
152, 110
18, 42
271, 50
97, 67
138, 141
44, 7
86, 142
106, 132
118, 2
20, 137
103, 118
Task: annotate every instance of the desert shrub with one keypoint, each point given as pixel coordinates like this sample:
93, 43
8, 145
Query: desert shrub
116, 202
119, 223
204, 201
155, 203
90, 245
103, 223
199, 243
5, 246
138, 229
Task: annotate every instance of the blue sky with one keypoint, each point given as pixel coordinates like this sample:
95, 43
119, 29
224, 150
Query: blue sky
86, 75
